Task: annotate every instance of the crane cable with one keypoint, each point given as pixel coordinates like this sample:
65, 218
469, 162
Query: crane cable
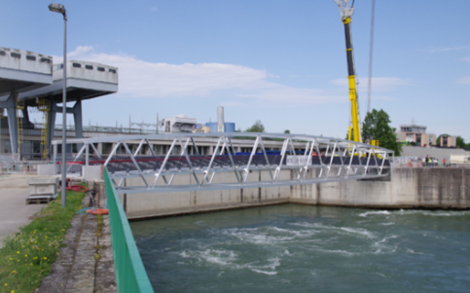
371, 51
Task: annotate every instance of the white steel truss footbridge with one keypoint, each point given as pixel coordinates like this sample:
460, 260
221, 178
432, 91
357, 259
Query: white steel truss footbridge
194, 161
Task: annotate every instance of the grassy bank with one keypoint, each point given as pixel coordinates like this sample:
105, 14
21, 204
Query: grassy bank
27, 257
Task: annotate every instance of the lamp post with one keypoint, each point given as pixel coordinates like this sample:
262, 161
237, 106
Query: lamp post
54, 7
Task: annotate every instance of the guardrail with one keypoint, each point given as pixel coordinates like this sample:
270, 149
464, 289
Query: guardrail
130, 272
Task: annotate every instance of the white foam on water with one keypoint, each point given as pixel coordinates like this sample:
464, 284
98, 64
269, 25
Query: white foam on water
266, 235
296, 233
374, 213
387, 223
184, 254
383, 247
359, 231
272, 264
264, 272
411, 251
343, 252
220, 257
304, 224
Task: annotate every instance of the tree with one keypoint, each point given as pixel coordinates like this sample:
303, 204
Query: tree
460, 142
377, 126
257, 127
287, 131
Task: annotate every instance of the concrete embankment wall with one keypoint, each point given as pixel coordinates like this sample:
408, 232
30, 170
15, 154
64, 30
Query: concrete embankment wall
147, 205
406, 188
445, 188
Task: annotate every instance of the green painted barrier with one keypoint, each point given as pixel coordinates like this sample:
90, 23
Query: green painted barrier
130, 272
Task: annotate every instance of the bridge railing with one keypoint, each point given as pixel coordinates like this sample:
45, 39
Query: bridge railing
197, 159
130, 272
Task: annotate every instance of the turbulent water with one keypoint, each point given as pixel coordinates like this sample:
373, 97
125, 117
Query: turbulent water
295, 248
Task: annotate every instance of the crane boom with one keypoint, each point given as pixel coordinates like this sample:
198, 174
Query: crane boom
355, 126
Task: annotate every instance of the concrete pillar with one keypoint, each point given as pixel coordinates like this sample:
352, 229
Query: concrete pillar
10, 105
77, 117
51, 123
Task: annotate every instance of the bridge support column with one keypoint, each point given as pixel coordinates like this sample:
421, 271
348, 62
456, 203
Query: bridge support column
77, 117
54, 109
10, 105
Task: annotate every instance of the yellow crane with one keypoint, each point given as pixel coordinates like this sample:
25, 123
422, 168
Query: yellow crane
354, 130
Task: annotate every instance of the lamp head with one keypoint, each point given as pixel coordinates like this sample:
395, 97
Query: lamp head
55, 7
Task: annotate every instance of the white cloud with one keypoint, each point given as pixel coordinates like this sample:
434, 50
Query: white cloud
378, 83
138, 78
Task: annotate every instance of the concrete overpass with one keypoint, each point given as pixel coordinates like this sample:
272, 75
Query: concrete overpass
29, 79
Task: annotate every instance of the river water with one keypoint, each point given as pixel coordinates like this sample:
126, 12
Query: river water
298, 248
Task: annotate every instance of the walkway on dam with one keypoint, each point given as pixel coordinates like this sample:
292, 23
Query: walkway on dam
77, 270
85, 264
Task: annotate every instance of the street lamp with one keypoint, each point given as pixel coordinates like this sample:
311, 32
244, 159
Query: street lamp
54, 7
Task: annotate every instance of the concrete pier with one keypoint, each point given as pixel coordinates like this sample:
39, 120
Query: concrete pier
441, 188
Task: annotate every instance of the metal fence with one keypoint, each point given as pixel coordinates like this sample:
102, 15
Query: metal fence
130, 272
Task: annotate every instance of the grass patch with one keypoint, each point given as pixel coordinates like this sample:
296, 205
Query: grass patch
27, 256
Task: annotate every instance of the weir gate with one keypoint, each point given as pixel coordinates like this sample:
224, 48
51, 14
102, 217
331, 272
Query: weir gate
157, 163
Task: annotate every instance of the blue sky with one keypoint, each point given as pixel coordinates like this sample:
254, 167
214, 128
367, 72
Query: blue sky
281, 62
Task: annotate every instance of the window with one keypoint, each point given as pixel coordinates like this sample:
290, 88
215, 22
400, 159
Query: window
100, 68
88, 67
112, 70
2, 53
76, 65
31, 58
47, 60
58, 66
406, 129
15, 55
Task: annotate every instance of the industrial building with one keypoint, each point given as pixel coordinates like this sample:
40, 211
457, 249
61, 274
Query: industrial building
416, 135
178, 124
220, 125
412, 134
